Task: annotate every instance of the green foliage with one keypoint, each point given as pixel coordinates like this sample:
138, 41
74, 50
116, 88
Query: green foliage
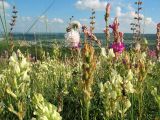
51, 88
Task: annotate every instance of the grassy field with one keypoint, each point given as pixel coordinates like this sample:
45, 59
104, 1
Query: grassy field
88, 85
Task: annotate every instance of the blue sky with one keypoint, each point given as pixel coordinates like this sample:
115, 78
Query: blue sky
58, 15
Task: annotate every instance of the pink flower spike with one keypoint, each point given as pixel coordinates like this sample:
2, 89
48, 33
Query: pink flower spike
118, 47
121, 34
108, 8
115, 24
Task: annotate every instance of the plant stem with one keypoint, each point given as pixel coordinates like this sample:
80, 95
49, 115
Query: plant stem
87, 110
5, 23
140, 101
132, 112
3, 28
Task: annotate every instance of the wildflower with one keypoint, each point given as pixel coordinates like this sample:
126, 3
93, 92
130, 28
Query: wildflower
145, 41
16, 68
121, 34
13, 58
143, 56
44, 110
24, 63
89, 35
114, 95
115, 25
44, 66
118, 47
129, 87
108, 9
25, 76
75, 25
130, 75
137, 47
73, 36
73, 39
10, 92
152, 53
103, 52
101, 87
111, 53
127, 105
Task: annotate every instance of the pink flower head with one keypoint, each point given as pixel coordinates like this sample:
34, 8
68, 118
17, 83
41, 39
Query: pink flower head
118, 47
158, 26
75, 45
108, 8
121, 34
85, 30
115, 25
152, 53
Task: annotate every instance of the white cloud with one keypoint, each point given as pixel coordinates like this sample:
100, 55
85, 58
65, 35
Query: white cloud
91, 4
118, 11
6, 5
149, 25
44, 19
125, 18
148, 20
26, 18
53, 25
57, 20
83, 20
130, 8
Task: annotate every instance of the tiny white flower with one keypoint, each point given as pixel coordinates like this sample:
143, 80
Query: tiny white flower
76, 24
25, 76
24, 63
43, 118
129, 87
111, 53
72, 38
130, 75
137, 47
127, 105
13, 58
114, 95
17, 68
103, 52
143, 55
101, 87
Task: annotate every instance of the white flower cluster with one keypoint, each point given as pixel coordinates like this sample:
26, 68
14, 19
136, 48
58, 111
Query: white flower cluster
114, 93
19, 63
44, 110
72, 38
154, 92
110, 53
19, 68
73, 35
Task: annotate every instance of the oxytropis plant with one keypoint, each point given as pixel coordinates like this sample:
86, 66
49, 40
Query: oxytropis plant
117, 45
115, 94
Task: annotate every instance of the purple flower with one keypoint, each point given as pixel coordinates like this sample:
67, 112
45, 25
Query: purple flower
118, 47
115, 25
152, 53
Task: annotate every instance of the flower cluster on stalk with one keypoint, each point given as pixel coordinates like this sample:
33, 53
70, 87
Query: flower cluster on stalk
118, 45
44, 110
72, 35
115, 93
12, 24
88, 68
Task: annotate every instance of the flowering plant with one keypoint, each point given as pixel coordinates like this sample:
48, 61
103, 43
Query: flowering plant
73, 36
118, 45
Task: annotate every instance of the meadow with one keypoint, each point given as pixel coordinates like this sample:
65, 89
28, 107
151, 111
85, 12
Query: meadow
54, 87
81, 75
